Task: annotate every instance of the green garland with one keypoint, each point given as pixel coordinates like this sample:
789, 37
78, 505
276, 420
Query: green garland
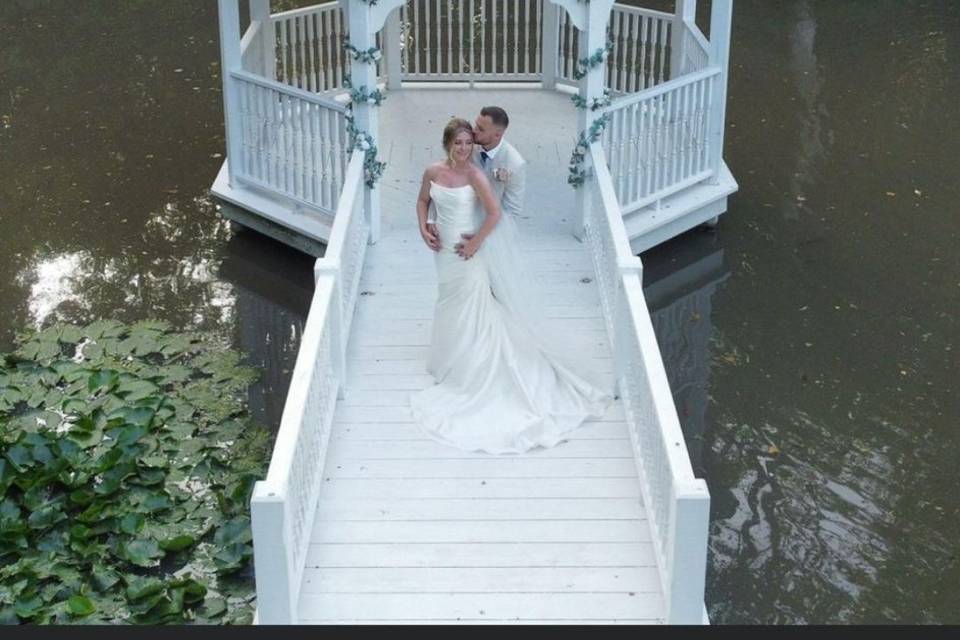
584, 65
372, 168
370, 56
595, 104
359, 95
358, 139
578, 175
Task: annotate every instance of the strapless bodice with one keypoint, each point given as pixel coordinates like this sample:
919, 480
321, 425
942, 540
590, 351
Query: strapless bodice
456, 212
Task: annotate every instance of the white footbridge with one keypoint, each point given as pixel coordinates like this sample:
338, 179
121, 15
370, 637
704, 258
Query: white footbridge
363, 520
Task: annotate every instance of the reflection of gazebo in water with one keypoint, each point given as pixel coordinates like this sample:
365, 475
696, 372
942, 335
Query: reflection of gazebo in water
679, 282
362, 519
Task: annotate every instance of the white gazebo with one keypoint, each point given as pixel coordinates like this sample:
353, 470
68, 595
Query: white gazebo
362, 520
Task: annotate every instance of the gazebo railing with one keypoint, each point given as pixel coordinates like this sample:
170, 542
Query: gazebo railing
457, 40
467, 40
695, 49
677, 503
309, 47
642, 43
293, 142
657, 141
284, 504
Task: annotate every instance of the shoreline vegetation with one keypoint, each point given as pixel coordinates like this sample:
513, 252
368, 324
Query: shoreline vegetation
127, 461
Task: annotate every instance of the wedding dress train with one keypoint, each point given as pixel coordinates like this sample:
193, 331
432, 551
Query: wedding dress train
497, 390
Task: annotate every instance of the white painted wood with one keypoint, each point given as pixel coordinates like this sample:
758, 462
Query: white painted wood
485, 579
495, 488
483, 531
462, 509
462, 607
721, 16
231, 60
466, 555
690, 524
272, 561
539, 468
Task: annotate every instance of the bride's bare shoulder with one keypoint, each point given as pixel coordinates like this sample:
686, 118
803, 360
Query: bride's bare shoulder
433, 170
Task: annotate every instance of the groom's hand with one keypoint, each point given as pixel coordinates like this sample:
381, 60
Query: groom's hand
430, 236
465, 249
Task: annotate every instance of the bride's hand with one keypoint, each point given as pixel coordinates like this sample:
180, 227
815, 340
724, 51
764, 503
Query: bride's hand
467, 249
430, 236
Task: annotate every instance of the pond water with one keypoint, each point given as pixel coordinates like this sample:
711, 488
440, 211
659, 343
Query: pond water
811, 342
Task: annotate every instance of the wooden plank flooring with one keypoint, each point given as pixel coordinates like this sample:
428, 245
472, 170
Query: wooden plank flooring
411, 531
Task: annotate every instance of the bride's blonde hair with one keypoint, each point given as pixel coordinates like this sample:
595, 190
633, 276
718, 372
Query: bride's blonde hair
450, 133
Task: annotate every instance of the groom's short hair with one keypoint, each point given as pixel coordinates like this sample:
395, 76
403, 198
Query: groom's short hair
497, 115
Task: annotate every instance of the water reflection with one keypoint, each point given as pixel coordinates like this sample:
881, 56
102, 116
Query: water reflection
679, 280
274, 287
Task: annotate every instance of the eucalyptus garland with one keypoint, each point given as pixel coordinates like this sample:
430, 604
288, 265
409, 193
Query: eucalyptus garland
370, 56
578, 175
584, 65
359, 95
595, 104
372, 168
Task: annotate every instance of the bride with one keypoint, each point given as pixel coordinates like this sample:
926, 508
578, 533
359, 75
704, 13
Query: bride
503, 385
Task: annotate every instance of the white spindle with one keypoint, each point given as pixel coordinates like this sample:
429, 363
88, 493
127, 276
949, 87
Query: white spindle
473, 59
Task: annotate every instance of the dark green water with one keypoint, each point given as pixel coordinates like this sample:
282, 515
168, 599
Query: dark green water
811, 342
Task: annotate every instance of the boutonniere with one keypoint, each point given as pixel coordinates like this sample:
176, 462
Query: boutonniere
501, 174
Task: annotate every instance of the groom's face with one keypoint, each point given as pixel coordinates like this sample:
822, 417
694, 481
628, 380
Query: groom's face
485, 132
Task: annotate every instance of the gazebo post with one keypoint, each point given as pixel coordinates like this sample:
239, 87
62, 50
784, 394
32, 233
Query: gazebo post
366, 116
230, 60
593, 37
685, 13
721, 15
260, 12
548, 46
391, 49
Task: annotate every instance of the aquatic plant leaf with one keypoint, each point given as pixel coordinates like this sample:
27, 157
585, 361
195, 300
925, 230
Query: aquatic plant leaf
80, 605
143, 552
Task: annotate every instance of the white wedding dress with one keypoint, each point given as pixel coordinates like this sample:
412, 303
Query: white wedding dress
497, 389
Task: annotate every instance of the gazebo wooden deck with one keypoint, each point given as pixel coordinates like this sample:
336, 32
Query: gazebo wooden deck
361, 519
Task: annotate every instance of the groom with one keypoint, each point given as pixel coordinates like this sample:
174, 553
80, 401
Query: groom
503, 164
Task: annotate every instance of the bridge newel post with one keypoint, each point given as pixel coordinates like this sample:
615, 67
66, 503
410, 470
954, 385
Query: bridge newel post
721, 16
260, 12
230, 60
687, 553
276, 593
364, 74
549, 42
593, 38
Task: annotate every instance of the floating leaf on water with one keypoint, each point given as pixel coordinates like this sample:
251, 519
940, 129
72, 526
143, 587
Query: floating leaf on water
80, 605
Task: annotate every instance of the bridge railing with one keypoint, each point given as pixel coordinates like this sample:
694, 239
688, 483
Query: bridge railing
677, 503
657, 141
283, 505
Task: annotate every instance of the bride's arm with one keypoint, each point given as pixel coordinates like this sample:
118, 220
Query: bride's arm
480, 183
427, 232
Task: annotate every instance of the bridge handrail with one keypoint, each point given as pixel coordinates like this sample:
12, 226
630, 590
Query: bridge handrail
677, 503
284, 503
